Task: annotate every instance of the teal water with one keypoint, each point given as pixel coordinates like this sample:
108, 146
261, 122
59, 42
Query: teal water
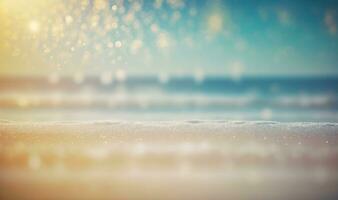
150, 98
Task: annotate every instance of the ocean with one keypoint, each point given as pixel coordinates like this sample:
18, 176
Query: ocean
284, 99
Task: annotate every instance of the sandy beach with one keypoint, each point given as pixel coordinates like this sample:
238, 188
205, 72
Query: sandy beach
168, 160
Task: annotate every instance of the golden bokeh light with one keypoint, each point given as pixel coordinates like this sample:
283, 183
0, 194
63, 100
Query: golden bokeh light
34, 26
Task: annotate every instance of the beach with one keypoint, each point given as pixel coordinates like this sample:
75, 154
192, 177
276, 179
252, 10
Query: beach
168, 99
194, 159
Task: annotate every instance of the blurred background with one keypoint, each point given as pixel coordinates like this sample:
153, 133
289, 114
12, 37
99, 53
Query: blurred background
168, 60
138, 62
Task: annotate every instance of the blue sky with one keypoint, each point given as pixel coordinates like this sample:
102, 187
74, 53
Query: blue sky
230, 38
265, 37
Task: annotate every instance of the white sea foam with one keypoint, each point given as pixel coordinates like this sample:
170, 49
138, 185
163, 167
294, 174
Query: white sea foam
160, 99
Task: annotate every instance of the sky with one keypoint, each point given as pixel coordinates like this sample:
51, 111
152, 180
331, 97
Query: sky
223, 38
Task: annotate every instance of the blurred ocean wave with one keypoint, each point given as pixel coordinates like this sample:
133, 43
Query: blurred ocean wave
283, 99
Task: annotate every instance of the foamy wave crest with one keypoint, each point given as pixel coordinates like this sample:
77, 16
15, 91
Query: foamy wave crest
166, 101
